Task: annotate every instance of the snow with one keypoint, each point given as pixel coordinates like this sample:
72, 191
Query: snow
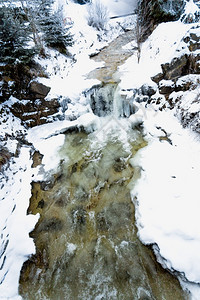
15, 225
166, 196
117, 7
169, 83
160, 48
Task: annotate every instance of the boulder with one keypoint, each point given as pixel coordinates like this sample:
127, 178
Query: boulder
166, 87
5, 156
15, 80
176, 68
148, 90
38, 90
187, 63
157, 78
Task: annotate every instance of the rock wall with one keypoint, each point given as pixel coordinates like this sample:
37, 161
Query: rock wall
20, 81
178, 83
153, 12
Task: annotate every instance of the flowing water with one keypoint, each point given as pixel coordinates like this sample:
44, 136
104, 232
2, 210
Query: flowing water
86, 238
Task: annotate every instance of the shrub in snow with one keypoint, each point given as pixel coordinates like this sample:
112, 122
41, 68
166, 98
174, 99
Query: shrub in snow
97, 15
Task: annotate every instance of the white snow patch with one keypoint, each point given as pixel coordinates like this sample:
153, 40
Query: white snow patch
15, 225
167, 194
158, 49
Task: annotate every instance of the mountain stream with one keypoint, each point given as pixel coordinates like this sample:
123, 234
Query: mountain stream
86, 238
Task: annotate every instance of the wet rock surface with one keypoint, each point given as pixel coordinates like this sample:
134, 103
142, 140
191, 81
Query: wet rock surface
86, 239
113, 56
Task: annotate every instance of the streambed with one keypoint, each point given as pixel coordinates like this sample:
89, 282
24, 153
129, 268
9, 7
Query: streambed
86, 239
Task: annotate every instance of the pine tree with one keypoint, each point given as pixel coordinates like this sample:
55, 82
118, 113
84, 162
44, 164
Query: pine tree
14, 36
35, 21
50, 24
55, 34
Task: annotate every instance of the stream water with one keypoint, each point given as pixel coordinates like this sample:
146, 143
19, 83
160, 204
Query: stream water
86, 238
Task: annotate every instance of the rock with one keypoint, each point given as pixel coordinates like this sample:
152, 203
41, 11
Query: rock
166, 86
153, 12
35, 113
38, 90
20, 76
187, 82
5, 156
185, 64
158, 77
176, 68
37, 159
194, 44
141, 98
197, 67
193, 39
148, 90
180, 66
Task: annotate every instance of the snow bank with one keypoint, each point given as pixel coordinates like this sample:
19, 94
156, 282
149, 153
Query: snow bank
15, 225
48, 139
167, 195
161, 46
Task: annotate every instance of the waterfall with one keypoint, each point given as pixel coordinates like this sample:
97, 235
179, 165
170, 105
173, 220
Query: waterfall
107, 100
101, 98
